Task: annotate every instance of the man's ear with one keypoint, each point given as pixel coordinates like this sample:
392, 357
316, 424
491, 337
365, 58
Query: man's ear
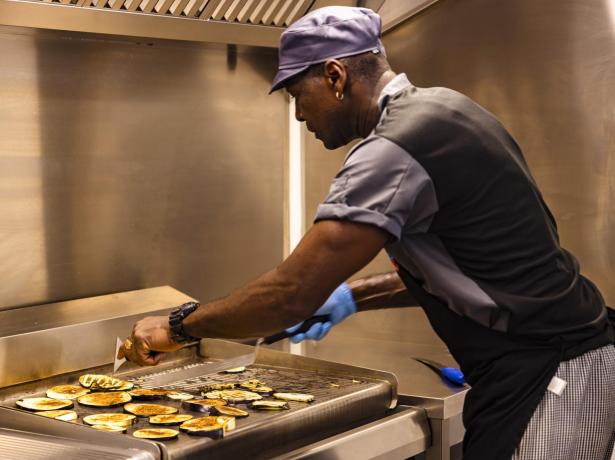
335, 73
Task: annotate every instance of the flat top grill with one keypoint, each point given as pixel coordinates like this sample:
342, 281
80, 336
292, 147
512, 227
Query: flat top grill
342, 401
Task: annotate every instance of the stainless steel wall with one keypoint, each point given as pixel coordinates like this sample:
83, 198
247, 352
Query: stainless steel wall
546, 69
126, 165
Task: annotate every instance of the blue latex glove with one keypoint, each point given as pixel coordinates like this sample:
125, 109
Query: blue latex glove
338, 306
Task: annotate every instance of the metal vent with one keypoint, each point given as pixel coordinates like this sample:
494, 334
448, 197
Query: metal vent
277, 13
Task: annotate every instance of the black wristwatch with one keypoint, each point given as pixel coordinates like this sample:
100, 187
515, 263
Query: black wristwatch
175, 322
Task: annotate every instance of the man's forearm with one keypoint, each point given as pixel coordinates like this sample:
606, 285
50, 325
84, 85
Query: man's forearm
381, 291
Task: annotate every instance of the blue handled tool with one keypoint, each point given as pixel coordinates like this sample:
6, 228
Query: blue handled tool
452, 374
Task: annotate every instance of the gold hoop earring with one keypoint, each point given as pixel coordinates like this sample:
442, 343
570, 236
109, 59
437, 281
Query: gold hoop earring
339, 96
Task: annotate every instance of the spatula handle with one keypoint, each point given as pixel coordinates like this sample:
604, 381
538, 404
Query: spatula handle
307, 324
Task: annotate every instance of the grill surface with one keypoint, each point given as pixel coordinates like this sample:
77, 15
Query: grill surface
342, 400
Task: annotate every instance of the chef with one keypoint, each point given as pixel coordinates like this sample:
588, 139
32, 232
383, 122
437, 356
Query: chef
441, 185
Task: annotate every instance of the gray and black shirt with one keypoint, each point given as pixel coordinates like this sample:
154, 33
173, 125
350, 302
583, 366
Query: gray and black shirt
474, 239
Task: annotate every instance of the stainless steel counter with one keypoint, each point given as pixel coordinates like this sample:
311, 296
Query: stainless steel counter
418, 385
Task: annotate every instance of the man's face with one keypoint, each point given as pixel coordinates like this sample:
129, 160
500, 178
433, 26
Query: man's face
322, 112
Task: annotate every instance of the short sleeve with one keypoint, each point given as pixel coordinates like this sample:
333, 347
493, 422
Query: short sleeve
383, 185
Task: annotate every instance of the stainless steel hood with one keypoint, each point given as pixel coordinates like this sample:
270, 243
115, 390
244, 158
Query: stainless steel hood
241, 22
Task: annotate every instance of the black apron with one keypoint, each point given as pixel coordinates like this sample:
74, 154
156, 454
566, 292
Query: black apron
508, 375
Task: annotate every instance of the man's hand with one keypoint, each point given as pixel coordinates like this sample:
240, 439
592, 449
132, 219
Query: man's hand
150, 339
338, 306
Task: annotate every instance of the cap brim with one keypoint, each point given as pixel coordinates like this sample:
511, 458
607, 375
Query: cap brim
283, 75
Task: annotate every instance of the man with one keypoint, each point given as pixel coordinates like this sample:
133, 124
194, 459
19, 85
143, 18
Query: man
439, 183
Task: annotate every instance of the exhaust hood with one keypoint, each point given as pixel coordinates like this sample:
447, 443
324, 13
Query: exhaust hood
241, 22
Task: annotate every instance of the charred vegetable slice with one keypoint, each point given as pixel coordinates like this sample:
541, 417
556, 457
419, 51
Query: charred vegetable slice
104, 399
145, 410
179, 396
202, 405
64, 415
148, 394
219, 387
173, 419
43, 404
160, 434
230, 411
299, 397
102, 382
66, 392
111, 428
110, 419
124, 387
234, 396
270, 405
204, 426
235, 370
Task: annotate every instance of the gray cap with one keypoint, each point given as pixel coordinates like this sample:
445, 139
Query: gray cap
326, 33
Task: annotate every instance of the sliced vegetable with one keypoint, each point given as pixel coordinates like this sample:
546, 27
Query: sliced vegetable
103, 382
43, 404
227, 422
230, 411
104, 399
219, 387
270, 405
66, 392
64, 415
299, 397
234, 396
236, 370
204, 426
179, 396
202, 405
147, 394
160, 434
173, 419
123, 420
145, 410
111, 428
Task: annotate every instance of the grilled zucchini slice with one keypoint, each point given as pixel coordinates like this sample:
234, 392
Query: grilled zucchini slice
234, 396
179, 396
229, 411
298, 397
44, 404
146, 394
66, 392
110, 428
159, 434
204, 426
202, 405
146, 410
64, 415
172, 419
103, 382
110, 399
270, 405
123, 420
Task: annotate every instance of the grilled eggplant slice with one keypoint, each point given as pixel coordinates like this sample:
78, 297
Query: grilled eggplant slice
64, 415
173, 419
147, 394
227, 422
235, 370
114, 419
202, 405
219, 387
179, 396
124, 387
234, 396
111, 428
270, 405
299, 397
230, 411
44, 404
66, 392
102, 382
159, 434
110, 399
204, 426
146, 410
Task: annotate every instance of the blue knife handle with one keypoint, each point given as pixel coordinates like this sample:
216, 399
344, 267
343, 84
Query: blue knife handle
453, 374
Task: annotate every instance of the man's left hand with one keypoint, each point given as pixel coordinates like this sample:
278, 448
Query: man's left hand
150, 339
